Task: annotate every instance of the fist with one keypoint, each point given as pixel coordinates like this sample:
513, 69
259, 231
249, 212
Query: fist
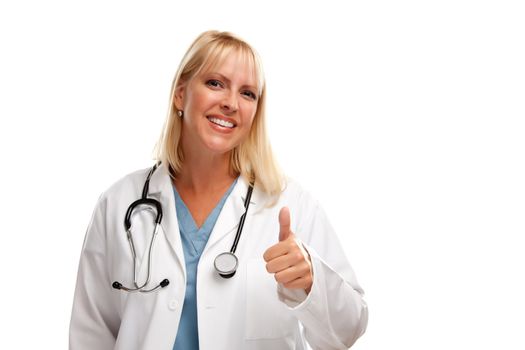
288, 260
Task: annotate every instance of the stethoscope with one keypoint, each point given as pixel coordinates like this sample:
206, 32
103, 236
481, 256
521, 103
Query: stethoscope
225, 263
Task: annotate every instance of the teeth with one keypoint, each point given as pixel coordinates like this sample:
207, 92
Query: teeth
221, 122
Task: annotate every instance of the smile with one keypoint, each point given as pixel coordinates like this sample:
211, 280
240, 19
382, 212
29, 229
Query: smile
221, 122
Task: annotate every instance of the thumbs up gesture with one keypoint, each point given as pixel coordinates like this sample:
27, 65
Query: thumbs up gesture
288, 260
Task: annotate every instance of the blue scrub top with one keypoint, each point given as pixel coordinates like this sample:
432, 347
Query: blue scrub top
193, 242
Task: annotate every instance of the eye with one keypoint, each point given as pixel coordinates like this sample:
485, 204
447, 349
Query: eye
250, 94
214, 83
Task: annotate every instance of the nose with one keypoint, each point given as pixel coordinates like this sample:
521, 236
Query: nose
230, 104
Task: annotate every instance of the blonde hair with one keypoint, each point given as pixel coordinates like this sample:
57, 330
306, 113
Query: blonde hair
253, 159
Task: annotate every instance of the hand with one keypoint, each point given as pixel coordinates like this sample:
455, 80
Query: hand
288, 260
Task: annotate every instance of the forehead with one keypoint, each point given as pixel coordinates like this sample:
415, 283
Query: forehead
234, 63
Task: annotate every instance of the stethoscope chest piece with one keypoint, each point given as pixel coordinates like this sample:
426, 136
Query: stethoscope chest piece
226, 264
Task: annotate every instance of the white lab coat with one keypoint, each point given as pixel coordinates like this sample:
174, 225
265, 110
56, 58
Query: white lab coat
248, 311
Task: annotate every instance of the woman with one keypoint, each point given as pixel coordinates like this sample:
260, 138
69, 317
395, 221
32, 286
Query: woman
289, 285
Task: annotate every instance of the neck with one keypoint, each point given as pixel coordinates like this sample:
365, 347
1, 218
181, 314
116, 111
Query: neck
204, 173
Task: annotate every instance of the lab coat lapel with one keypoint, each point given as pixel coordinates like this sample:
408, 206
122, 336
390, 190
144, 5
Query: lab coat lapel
231, 213
161, 189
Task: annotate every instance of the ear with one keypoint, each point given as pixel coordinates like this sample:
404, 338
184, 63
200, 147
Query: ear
178, 98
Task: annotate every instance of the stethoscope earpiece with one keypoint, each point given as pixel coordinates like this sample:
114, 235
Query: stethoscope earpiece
164, 283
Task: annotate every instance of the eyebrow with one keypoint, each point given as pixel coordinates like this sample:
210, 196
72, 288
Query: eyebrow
229, 81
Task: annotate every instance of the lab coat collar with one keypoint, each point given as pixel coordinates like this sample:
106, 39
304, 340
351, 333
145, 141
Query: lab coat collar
161, 188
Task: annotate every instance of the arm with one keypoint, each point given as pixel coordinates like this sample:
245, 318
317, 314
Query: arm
94, 320
334, 314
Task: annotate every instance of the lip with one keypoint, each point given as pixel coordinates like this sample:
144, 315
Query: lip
218, 116
219, 128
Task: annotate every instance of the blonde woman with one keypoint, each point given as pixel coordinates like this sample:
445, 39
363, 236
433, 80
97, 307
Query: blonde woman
212, 247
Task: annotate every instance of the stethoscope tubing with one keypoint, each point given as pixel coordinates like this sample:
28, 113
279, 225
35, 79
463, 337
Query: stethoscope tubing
241, 221
144, 200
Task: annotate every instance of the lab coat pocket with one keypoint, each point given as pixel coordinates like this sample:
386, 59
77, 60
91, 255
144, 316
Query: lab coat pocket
266, 316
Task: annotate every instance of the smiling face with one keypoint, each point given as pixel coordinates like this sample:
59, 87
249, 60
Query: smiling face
219, 105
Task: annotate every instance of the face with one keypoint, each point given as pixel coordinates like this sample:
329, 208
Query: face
219, 106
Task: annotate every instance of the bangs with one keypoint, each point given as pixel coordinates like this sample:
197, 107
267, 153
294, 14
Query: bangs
218, 53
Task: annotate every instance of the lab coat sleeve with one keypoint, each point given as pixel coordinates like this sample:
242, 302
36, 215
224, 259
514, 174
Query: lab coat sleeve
334, 314
94, 321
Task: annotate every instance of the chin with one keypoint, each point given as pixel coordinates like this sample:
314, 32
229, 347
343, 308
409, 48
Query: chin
220, 147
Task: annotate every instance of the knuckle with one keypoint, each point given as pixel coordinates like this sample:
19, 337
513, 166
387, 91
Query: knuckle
268, 268
303, 270
306, 268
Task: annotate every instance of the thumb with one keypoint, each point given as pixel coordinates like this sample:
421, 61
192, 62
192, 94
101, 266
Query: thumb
284, 223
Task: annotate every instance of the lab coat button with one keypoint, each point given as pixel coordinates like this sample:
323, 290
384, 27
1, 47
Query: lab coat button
173, 304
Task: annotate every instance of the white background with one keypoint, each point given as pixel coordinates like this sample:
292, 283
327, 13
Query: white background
405, 118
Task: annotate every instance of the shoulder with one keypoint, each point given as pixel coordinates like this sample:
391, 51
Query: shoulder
298, 198
130, 184
294, 190
113, 202
310, 221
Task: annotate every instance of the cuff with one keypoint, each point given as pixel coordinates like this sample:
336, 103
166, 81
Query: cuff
297, 299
